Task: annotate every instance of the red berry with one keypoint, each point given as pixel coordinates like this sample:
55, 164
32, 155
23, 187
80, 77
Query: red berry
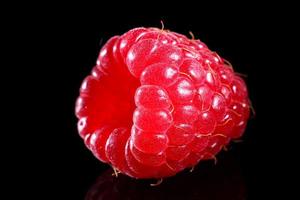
185, 114
218, 106
180, 134
194, 70
149, 142
182, 91
152, 96
165, 74
157, 102
153, 120
177, 153
206, 123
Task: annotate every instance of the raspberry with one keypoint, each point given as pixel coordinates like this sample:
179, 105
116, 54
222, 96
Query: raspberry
157, 102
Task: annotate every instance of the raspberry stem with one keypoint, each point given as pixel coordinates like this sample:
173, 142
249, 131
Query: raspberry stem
219, 134
225, 148
192, 169
159, 181
162, 25
252, 108
116, 172
241, 74
192, 35
228, 63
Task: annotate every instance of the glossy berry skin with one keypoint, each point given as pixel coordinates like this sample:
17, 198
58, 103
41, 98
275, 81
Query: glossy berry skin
157, 102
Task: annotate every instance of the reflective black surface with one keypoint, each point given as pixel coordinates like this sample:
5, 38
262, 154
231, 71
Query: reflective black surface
206, 182
57, 165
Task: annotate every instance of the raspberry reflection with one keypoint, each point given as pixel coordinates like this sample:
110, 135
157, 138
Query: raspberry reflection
207, 181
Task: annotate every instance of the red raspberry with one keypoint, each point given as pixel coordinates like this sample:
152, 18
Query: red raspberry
157, 102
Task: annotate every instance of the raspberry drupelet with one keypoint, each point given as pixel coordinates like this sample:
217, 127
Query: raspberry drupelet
157, 102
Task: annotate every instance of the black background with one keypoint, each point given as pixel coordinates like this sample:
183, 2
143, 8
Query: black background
65, 44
